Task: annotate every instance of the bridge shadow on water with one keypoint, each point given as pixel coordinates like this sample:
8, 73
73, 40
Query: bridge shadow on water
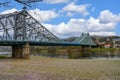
69, 53
76, 53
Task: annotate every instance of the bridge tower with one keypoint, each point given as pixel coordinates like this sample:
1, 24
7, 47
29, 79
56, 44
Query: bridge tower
85, 40
21, 51
19, 30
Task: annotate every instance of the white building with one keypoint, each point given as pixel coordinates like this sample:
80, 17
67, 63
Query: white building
116, 43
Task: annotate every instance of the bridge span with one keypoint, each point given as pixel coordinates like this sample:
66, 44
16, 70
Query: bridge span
20, 30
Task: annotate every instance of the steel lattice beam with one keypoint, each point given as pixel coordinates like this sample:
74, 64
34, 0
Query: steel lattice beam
21, 26
85, 39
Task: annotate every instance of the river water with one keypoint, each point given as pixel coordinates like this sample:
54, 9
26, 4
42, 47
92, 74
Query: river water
75, 55
80, 55
8, 54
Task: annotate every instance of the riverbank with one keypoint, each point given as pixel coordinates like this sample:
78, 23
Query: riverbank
41, 68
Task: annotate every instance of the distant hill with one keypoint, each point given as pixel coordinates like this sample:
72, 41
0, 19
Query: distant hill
69, 39
95, 38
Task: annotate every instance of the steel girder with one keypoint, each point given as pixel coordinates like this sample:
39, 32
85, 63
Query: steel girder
85, 39
21, 26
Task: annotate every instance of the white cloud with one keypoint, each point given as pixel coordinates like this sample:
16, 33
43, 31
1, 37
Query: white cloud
39, 15
95, 25
9, 11
103, 33
56, 1
69, 14
105, 24
81, 9
74, 27
43, 16
106, 16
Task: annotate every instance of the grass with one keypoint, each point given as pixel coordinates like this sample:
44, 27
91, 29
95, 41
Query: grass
41, 68
103, 49
2, 57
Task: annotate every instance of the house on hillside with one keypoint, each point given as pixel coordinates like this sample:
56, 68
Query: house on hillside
116, 42
107, 45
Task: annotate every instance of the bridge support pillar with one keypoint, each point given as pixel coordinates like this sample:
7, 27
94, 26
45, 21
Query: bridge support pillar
20, 51
86, 51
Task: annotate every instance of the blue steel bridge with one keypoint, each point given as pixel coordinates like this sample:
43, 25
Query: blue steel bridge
20, 30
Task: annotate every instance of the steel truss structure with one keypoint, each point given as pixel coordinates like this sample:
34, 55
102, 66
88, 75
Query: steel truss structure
85, 39
21, 26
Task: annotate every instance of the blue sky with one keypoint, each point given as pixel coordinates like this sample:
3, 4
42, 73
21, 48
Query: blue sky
67, 18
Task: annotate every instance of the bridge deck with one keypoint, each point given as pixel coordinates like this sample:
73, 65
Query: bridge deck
36, 43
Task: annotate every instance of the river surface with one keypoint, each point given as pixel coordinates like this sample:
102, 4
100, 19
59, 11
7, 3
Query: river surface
76, 55
80, 55
8, 54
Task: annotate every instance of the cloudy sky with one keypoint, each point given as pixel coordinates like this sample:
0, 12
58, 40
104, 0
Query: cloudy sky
67, 18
